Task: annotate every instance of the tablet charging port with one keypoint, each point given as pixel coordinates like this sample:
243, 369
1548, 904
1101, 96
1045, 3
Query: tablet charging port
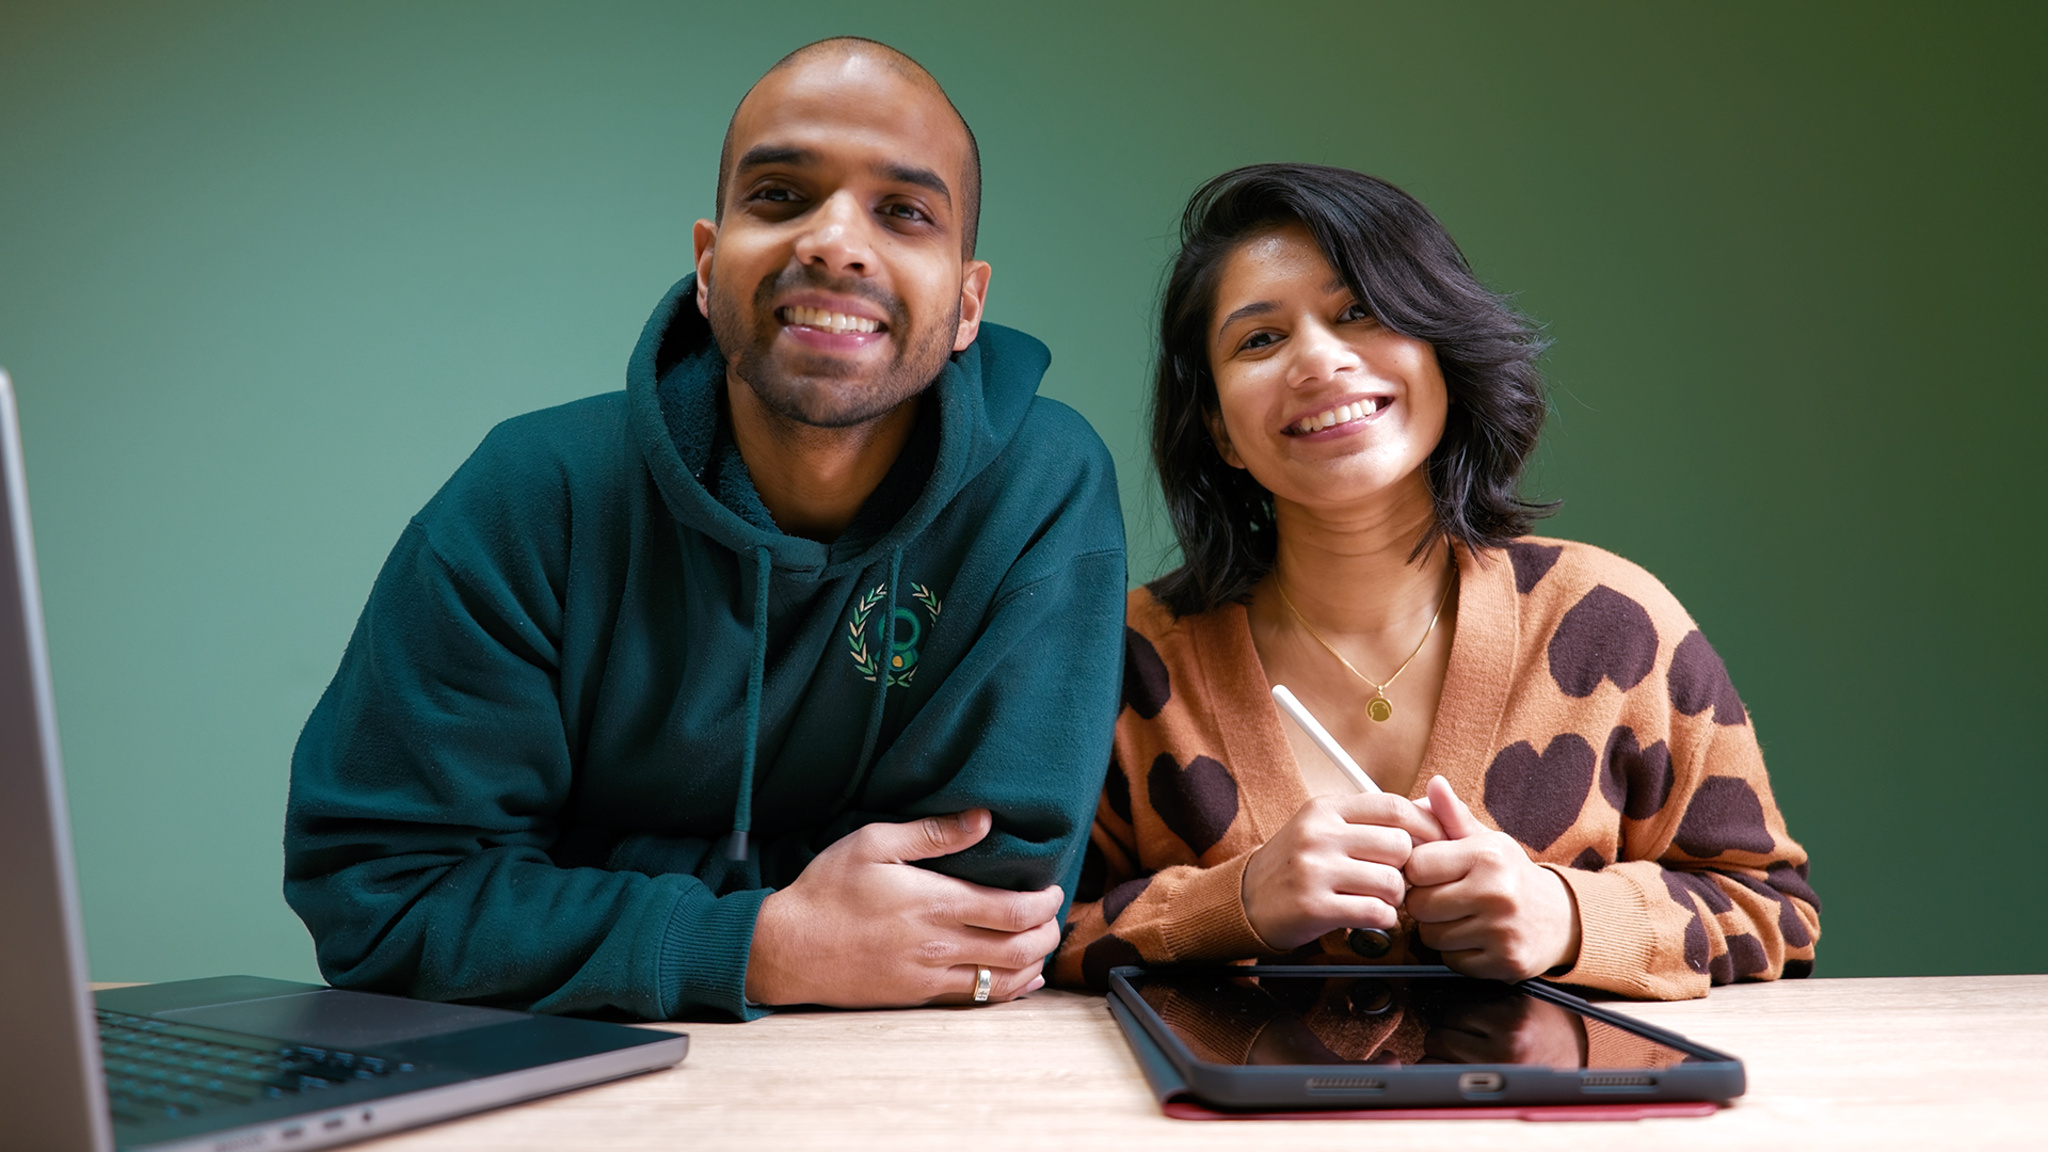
1481, 1083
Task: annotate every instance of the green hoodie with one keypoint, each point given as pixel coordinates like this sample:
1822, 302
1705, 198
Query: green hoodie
598, 706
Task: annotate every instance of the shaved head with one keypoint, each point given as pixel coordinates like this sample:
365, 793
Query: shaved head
837, 51
839, 273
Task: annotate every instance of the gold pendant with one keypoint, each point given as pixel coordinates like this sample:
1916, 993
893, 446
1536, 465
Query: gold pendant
1379, 709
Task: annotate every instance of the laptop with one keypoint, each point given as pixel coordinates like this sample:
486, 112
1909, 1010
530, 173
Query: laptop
231, 1063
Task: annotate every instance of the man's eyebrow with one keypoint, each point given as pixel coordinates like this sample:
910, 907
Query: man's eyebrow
911, 174
763, 155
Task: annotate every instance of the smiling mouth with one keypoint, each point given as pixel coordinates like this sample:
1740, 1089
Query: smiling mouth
1341, 414
823, 321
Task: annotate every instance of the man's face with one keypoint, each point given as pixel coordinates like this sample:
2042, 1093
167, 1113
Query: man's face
835, 284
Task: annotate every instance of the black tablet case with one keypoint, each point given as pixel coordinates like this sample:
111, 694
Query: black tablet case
1178, 1100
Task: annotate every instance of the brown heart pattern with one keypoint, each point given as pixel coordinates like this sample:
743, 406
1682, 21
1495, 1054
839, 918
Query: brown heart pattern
1535, 797
1196, 803
1699, 681
1606, 636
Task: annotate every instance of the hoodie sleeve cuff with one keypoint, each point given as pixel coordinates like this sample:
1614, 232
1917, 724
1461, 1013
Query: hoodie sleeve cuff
704, 953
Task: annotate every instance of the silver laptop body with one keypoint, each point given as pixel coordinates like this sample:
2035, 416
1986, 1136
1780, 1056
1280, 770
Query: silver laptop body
231, 1063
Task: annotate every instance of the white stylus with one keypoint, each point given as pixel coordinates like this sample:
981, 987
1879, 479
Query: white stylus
1322, 737
1371, 943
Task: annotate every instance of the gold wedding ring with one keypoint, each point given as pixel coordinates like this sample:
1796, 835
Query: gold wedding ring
982, 979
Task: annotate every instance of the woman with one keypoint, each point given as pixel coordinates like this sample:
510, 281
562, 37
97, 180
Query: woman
1571, 786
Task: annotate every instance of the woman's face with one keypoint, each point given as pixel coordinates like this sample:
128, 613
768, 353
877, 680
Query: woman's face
1324, 406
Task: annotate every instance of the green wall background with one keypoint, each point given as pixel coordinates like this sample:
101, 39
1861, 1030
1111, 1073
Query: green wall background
268, 271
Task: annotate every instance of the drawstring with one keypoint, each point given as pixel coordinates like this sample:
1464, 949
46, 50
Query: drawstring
743, 807
886, 636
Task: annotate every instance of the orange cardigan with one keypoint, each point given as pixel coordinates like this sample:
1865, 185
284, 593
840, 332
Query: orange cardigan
1582, 713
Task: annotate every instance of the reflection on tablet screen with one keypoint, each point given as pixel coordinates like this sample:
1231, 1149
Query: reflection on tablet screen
1386, 1021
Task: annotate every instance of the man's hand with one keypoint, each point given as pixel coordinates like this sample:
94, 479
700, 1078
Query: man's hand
1478, 899
1336, 864
863, 928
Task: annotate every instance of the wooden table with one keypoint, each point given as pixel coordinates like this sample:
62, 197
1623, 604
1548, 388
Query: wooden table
1930, 1062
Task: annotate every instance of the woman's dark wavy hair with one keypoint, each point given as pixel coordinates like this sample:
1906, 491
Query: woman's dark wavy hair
1406, 270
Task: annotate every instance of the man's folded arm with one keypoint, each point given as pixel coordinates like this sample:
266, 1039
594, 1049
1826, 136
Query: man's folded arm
425, 793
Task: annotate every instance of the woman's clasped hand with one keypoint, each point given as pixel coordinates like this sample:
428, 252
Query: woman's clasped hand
1357, 861
1339, 863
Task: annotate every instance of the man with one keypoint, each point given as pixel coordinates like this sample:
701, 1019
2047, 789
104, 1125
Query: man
655, 704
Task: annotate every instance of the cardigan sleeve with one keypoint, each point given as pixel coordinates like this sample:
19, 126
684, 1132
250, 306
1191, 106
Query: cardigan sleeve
1162, 878
1710, 888
1123, 914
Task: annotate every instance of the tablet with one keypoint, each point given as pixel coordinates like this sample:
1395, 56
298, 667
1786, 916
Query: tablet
1268, 1036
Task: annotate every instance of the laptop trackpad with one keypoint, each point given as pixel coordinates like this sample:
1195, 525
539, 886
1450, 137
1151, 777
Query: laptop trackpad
332, 1018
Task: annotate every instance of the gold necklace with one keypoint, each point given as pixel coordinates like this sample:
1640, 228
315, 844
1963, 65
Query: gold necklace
1379, 707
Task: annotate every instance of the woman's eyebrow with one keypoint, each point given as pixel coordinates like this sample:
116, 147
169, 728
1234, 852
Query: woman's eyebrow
1261, 307
1257, 308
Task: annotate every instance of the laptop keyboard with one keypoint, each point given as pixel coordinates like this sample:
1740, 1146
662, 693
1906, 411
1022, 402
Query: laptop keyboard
159, 1069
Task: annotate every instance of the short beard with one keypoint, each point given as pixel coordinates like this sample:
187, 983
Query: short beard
817, 391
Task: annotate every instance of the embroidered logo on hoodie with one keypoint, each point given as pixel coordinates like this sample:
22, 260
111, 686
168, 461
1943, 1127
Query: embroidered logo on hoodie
897, 649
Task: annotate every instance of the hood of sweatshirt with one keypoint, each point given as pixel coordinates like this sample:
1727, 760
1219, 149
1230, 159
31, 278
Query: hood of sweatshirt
968, 414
